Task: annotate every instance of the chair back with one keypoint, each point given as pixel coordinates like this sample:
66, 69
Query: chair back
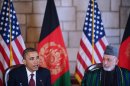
94, 67
6, 74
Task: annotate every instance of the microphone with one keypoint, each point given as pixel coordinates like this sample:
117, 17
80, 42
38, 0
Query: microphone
42, 82
20, 84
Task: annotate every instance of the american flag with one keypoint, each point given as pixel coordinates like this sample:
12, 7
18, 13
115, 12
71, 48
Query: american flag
9, 25
84, 56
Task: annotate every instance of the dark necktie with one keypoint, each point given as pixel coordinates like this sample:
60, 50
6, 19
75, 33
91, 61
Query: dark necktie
32, 82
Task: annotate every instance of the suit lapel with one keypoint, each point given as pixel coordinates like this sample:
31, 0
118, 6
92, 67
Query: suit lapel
24, 77
39, 81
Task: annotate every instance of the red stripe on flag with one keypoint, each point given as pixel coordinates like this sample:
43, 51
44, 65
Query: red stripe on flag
81, 61
103, 44
15, 58
19, 46
86, 50
79, 74
98, 54
1, 67
6, 58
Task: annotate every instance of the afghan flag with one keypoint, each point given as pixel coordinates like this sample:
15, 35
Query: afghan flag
124, 53
52, 49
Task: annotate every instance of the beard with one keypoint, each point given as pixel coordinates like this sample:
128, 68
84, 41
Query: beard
108, 68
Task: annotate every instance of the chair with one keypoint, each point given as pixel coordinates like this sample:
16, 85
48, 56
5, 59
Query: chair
94, 67
6, 74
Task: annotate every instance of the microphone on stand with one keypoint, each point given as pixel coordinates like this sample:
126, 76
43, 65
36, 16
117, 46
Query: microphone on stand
20, 84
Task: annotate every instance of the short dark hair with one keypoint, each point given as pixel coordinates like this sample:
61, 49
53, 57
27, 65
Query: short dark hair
28, 50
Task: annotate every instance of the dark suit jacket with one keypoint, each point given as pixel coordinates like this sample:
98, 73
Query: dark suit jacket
18, 77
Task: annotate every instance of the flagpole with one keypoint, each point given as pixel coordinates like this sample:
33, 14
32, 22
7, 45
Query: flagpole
93, 32
11, 54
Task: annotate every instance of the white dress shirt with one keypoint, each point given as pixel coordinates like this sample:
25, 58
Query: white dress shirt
29, 75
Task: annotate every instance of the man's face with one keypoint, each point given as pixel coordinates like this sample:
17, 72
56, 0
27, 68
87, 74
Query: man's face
109, 62
31, 60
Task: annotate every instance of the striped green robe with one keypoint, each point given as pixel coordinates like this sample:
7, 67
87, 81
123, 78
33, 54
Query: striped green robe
93, 78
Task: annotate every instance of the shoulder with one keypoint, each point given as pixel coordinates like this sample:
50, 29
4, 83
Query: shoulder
17, 69
124, 69
41, 69
93, 72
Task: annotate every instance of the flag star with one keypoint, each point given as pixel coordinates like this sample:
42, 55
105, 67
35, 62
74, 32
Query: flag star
101, 28
5, 3
86, 23
87, 13
4, 34
98, 17
7, 41
85, 28
14, 12
6, 19
13, 21
90, 20
17, 23
97, 22
16, 33
90, 25
90, 29
13, 27
89, 34
2, 18
12, 37
1, 23
3, 13
13, 17
97, 37
10, 15
5, 24
8, 30
11, 10
8, 35
86, 19
98, 12
17, 28
13, 31
5, 29
4, 8
97, 32
100, 33
7, 14
7, 9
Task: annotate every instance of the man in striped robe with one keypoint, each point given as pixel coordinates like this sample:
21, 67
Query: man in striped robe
109, 74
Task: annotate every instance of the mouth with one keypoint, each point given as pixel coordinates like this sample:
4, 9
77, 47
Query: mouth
35, 66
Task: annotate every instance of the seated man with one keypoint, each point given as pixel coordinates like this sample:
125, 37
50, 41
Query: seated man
108, 75
30, 74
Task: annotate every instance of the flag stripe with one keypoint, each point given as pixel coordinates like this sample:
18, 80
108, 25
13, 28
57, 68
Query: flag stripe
4, 53
2, 61
82, 61
21, 42
86, 49
19, 47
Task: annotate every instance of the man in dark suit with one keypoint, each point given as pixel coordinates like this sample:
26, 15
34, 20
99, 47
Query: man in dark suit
30, 74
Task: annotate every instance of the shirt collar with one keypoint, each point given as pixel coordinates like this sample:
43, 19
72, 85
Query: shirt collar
28, 72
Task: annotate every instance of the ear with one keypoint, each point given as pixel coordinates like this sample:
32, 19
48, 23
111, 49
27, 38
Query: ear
24, 61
